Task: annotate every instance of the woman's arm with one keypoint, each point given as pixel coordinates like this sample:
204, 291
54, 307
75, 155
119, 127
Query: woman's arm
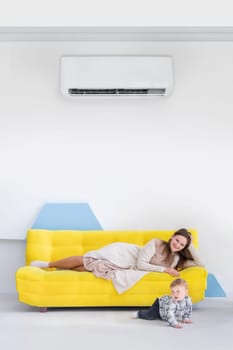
144, 257
195, 255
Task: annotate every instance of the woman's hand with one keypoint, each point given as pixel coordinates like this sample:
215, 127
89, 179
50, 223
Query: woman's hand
172, 272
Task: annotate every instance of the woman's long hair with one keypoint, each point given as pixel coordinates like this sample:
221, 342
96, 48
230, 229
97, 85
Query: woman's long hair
184, 254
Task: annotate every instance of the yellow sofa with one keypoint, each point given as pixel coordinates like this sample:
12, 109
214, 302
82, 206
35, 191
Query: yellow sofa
66, 288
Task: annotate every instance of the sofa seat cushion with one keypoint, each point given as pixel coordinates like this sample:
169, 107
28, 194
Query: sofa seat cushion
71, 288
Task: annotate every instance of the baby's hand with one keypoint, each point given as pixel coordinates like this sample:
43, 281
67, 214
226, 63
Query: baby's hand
172, 271
187, 321
178, 325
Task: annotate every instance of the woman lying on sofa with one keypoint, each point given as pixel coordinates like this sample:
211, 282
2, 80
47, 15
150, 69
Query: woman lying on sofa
157, 255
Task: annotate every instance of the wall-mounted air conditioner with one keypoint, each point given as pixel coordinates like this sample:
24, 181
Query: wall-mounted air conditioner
89, 76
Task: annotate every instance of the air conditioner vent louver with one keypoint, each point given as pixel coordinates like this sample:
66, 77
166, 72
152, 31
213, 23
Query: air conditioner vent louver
78, 92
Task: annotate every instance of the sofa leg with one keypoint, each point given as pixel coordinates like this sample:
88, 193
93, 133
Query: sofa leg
43, 309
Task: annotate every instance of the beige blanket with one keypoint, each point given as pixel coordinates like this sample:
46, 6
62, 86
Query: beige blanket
116, 261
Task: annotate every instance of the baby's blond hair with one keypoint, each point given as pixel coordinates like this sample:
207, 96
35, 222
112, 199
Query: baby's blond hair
179, 282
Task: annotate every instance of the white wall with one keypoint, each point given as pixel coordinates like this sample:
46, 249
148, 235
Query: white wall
163, 163
116, 13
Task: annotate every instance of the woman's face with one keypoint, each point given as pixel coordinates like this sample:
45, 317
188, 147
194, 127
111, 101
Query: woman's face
177, 243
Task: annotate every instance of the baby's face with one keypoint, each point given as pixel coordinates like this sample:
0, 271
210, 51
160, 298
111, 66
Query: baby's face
178, 292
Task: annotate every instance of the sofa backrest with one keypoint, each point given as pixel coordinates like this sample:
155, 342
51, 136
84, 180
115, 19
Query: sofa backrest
51, 245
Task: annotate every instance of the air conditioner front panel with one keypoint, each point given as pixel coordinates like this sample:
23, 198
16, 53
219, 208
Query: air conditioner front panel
115, 73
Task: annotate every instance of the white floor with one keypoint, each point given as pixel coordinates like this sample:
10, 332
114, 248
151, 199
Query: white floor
23, 327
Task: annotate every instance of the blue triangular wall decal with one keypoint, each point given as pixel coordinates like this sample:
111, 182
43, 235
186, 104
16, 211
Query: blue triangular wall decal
213, 287
67, 216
